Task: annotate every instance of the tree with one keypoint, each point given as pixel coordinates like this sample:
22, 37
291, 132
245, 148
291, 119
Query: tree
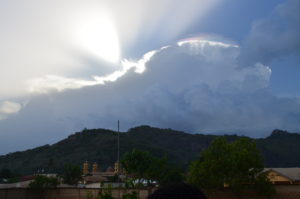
237, 165
5, 173
137, 163
51, 165
43, 182
105, 193
72, 174
131, 195
144, 166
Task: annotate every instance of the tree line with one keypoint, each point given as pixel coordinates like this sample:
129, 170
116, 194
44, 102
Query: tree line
236, 166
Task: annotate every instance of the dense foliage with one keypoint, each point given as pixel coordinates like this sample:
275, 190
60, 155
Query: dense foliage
141, 165
5, 173
43, 182
131, 195
72, 174
237, 165
281, 149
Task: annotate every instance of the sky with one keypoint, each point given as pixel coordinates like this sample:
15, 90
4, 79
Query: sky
209, 66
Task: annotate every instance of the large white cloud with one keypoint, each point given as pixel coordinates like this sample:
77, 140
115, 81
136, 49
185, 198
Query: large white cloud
49, 38
194, 85
56, 45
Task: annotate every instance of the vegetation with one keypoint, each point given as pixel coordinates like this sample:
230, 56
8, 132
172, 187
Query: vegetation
99, 145
72, 174
145, 167
237, 165
89, 194
132, 195
43, 182
5, 173
106, 193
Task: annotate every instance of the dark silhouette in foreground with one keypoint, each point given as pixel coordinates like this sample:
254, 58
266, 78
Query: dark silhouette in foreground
178, 191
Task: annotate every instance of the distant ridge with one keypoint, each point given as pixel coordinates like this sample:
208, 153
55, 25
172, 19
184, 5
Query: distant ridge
280, 149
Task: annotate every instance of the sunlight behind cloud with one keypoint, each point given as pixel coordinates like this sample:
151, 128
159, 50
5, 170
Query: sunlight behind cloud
97, 35
60, 83
54, 41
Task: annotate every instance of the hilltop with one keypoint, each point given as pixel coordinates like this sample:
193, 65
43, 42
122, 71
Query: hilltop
280, 149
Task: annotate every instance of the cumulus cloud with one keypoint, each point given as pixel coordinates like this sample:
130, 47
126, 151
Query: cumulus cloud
275, 36
38, 44
194, 85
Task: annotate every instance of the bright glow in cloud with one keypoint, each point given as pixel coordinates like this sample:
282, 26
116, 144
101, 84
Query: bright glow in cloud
59, 83
200, 43
140, 64
7, 108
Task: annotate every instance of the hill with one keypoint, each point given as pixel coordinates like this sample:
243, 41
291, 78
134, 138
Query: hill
280, 149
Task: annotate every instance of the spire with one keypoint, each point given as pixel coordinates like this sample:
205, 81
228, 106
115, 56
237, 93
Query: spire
95, 168
85, 169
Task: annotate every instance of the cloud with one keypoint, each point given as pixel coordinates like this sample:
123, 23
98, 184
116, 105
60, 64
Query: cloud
8, 108
59, 83
274, 37
41, 46
196, 85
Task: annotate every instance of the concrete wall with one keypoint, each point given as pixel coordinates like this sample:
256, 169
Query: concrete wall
65, 193
283, 192
15, 185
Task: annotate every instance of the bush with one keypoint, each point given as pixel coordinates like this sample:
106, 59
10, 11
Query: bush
89, 195
106, 193
43, 182
132, 195
72, 174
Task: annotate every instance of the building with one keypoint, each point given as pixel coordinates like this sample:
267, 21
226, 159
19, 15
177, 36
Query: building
97, 176
85, 167
283, 175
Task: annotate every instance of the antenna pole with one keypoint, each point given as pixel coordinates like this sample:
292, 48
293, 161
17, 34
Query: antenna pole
119, 191
118, 142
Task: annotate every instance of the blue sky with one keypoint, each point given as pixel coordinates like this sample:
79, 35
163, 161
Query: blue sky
211, 66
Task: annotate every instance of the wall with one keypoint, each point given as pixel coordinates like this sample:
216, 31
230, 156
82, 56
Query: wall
64, 193
283, 192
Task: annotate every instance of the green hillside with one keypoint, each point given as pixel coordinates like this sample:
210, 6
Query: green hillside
280, 149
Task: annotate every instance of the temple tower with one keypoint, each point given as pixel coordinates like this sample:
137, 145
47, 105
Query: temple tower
85, 169
117, 167
95, 168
